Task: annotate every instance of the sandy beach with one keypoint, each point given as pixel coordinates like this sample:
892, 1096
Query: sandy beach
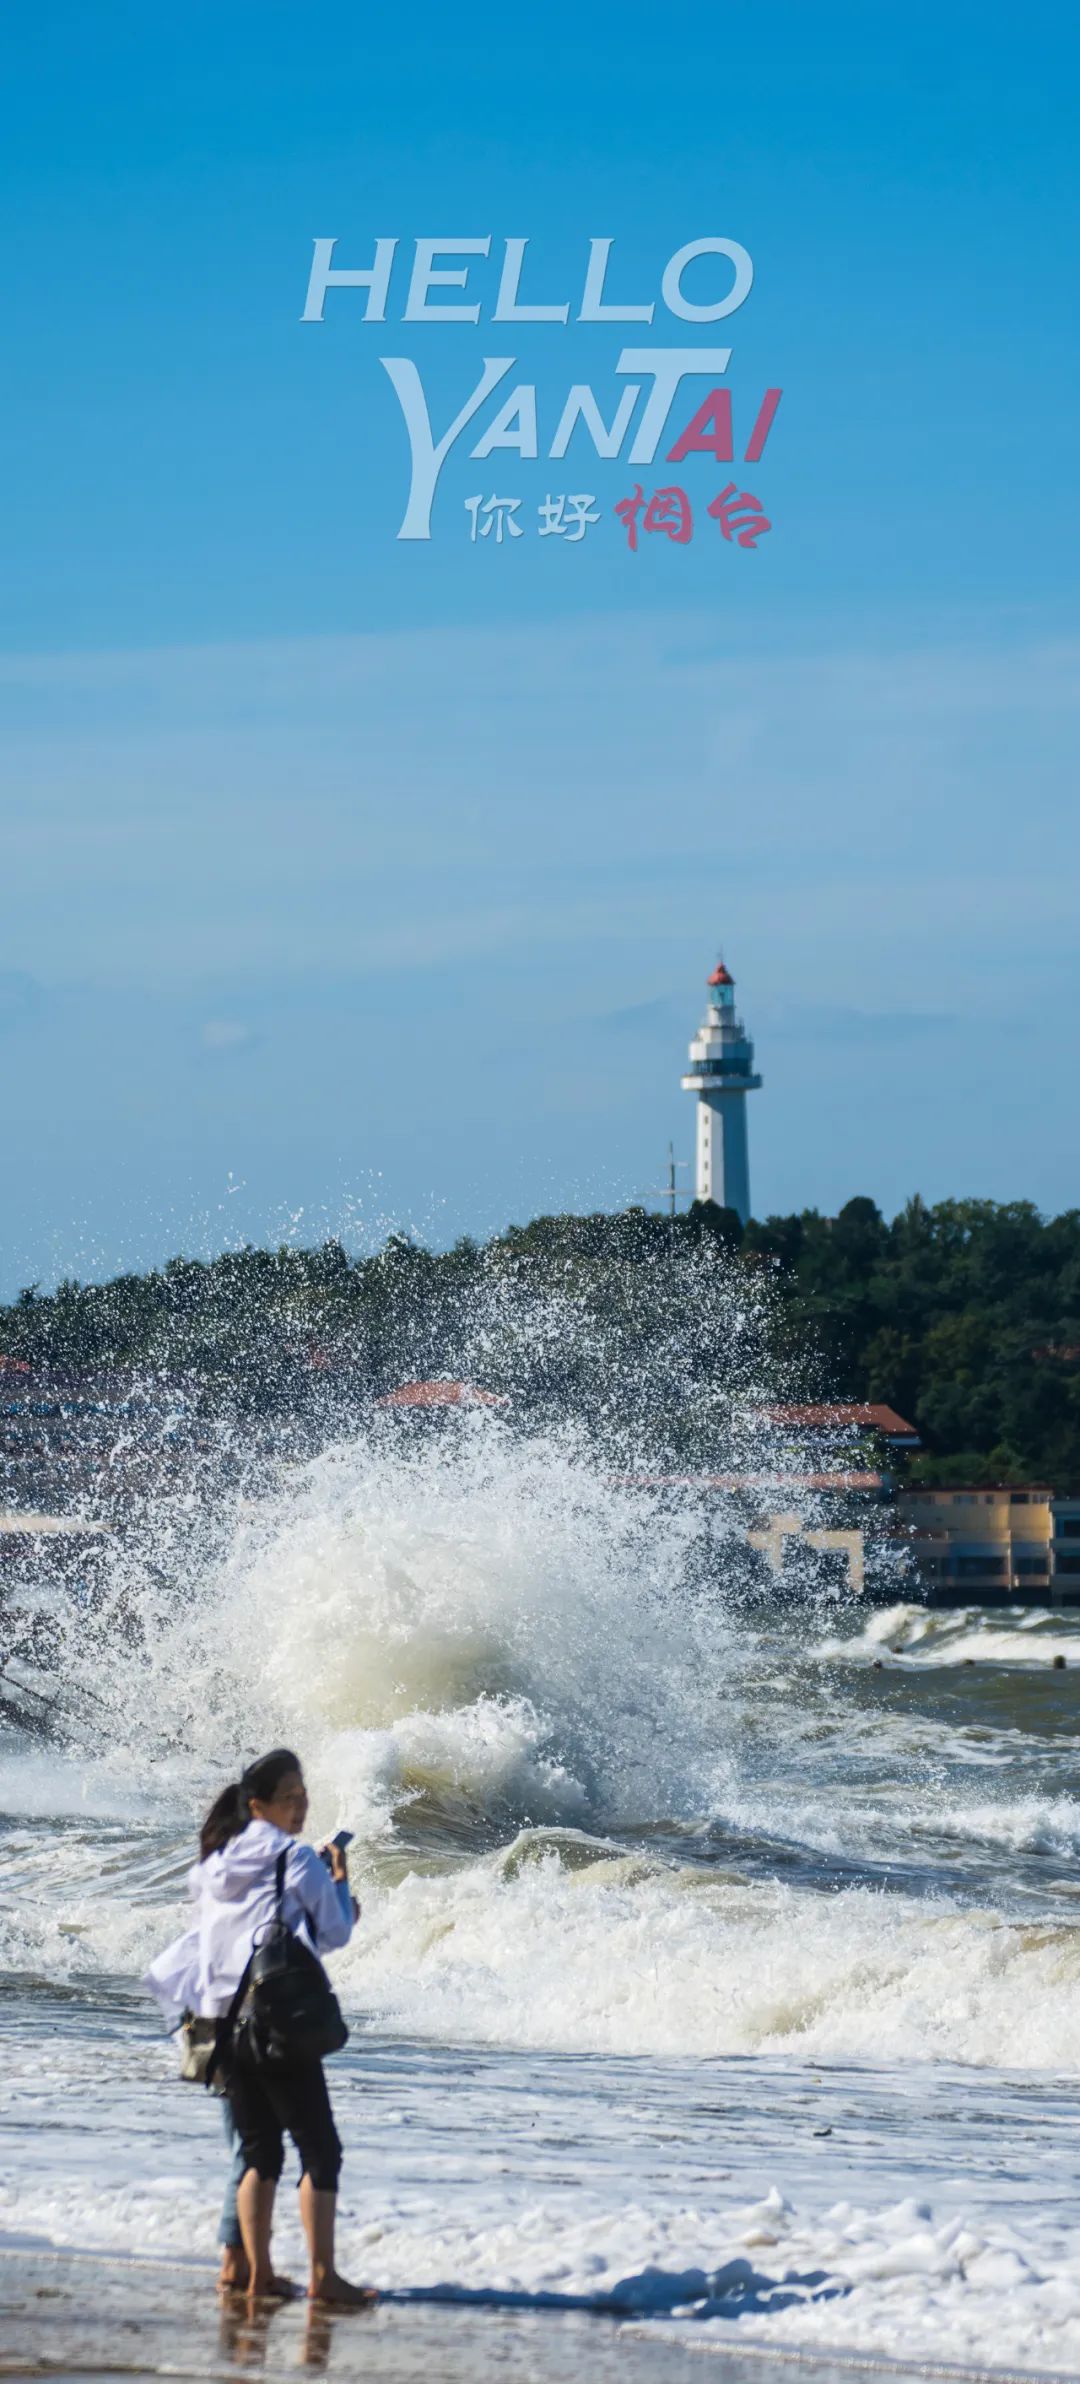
69, 2317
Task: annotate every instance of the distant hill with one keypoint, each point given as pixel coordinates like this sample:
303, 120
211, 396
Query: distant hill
964, 1316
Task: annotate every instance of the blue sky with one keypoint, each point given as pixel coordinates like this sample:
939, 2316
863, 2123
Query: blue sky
349, 880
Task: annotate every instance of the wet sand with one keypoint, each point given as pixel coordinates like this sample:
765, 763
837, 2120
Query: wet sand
68, 2317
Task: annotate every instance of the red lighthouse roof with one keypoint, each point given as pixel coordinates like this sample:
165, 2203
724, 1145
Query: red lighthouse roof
720, 976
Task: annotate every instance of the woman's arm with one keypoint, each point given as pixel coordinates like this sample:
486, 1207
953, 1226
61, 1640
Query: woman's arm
326, 1901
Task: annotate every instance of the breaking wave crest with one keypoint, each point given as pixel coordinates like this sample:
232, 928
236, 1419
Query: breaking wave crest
486, 1622
1015, 1636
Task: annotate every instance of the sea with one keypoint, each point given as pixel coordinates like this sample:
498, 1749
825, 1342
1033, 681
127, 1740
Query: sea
719, 1961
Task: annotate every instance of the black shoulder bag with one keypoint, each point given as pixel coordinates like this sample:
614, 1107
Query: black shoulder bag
284, 2008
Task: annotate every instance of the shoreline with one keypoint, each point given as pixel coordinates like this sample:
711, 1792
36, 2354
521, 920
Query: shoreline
70, 2315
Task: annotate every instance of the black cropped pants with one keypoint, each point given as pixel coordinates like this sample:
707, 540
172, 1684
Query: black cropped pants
272, 2101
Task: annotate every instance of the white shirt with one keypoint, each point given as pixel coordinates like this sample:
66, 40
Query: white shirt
234, 1891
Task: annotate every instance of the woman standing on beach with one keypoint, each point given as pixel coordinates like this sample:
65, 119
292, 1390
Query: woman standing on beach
255, 1821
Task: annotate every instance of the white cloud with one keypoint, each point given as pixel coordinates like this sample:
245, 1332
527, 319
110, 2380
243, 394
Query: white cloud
377, 801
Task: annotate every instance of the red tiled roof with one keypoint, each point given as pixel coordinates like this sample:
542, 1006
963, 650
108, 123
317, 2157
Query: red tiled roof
824, 1417
440, 1394
720, 976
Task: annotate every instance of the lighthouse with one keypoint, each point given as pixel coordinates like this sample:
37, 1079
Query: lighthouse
721, 1073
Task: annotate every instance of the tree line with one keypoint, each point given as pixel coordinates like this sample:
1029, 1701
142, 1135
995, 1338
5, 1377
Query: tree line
964, 1315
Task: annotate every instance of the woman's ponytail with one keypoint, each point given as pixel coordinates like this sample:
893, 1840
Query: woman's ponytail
227, 1816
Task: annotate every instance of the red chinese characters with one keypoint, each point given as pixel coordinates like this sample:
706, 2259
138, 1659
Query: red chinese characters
668, 512
740, 516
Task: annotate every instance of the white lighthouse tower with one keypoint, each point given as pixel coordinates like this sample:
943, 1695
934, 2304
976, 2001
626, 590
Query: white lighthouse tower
721, 1073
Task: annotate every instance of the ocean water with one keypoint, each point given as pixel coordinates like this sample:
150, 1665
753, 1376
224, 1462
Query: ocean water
719, 1962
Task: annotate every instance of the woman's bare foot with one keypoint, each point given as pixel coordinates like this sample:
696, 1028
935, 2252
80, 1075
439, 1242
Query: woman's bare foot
233, 2277
263, 2286
337, 2291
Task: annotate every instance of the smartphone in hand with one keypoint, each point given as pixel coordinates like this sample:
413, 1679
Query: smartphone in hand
340, 1839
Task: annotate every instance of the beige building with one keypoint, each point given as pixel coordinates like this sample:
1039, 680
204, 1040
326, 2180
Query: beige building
992, 1546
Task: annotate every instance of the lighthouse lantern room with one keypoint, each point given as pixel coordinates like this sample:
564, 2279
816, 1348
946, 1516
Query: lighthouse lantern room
721, 1073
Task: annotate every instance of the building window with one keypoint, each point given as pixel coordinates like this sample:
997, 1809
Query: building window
1018, 1498
983, 1568
1030, 1564
1068, 1527
1067, 1564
